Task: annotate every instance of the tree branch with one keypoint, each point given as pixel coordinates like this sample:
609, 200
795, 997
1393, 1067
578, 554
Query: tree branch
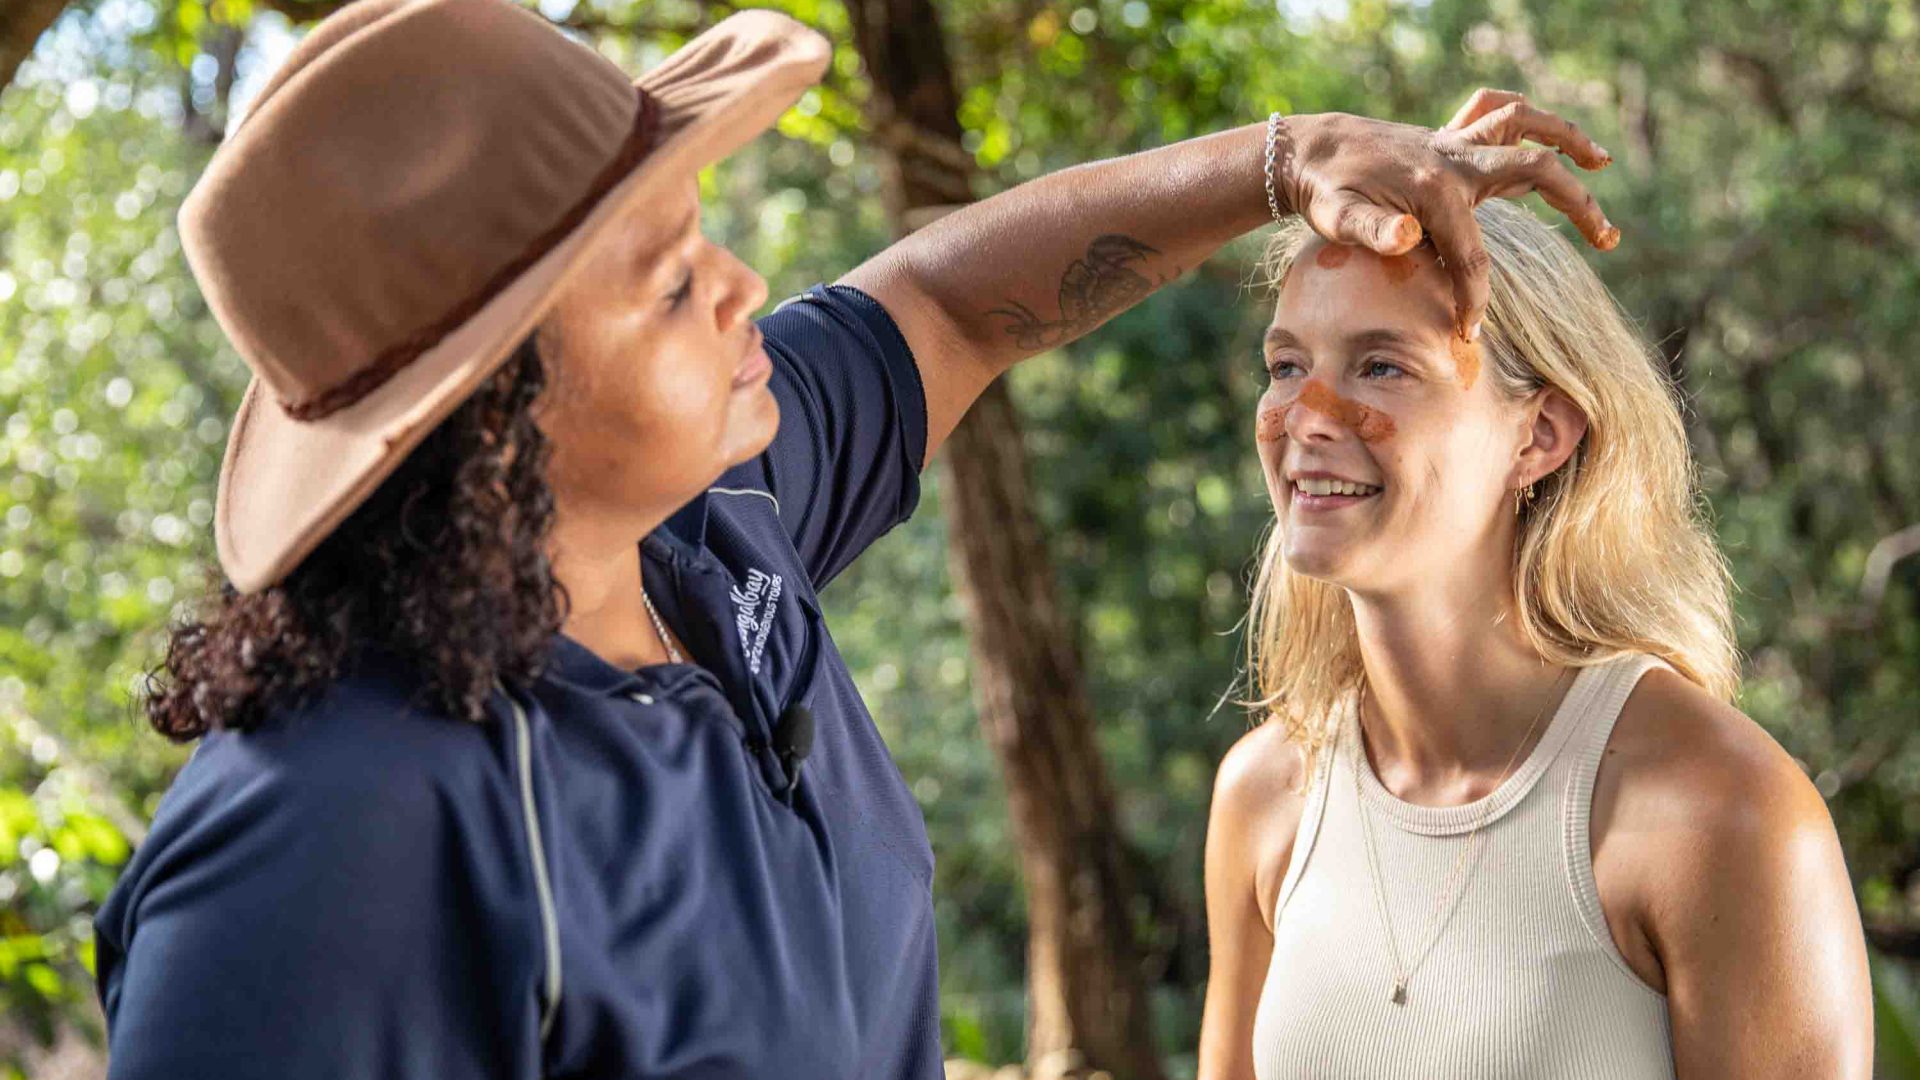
21, 24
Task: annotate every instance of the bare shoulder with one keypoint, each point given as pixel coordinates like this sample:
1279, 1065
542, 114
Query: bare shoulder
1686, 782
1740, 881
1258, 795
1677, 755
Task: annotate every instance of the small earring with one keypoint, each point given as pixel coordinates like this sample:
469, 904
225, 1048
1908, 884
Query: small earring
1517, 494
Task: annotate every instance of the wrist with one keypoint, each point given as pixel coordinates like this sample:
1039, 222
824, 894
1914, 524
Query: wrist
1279, 154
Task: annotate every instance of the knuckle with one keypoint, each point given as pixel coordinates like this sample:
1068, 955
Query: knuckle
1538, 159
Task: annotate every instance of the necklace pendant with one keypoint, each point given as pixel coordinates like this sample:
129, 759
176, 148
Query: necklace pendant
1399, 991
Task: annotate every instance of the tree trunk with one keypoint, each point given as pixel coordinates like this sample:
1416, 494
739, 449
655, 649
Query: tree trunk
21, 24
1087, 996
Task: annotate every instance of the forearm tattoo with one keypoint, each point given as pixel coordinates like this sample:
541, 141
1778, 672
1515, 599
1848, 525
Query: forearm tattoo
1094, 287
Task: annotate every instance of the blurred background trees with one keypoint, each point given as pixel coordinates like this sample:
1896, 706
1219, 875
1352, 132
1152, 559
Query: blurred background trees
1767, 185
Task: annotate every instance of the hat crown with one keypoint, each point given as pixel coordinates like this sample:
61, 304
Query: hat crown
408, 155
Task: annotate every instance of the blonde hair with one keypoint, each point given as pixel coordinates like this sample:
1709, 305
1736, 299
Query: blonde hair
1613, 555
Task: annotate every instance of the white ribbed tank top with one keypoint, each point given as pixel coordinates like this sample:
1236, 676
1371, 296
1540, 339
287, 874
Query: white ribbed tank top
1524, 981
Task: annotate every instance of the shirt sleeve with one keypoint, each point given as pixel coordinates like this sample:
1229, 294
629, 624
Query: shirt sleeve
297, 915
845, 464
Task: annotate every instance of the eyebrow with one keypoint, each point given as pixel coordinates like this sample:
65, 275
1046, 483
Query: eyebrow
1280, 337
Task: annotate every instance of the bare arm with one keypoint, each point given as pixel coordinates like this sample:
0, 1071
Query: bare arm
1043, 263
1760, 935
1250, 829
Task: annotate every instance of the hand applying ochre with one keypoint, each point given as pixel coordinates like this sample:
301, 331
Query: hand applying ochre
1375, 183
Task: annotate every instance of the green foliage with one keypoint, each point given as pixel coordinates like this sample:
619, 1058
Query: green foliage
1766, 179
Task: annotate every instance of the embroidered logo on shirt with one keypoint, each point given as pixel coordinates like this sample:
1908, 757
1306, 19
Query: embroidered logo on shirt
753, 604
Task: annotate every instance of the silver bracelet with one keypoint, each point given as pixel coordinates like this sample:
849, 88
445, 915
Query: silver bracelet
1273, 141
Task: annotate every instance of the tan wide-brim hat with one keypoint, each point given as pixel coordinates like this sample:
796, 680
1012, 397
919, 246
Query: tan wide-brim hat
402, 204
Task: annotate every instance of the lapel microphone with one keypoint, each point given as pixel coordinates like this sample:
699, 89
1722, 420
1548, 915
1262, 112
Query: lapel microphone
792, 742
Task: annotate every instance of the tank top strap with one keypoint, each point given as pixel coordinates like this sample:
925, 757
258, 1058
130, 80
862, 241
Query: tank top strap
1621, 675
1324, 769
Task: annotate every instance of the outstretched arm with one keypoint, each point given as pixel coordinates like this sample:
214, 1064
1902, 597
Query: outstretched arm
1040, 264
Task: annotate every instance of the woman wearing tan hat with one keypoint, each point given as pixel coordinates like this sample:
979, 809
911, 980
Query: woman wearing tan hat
484, 791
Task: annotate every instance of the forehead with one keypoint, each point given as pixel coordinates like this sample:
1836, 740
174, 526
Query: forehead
653, 225
1333, 291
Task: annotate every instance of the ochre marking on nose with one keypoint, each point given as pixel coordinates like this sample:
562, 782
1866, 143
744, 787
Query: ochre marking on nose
1369, 423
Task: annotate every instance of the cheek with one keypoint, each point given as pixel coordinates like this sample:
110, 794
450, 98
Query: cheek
1270, 422
682, 412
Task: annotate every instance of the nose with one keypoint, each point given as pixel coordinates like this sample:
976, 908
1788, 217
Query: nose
1308, 424
746, 292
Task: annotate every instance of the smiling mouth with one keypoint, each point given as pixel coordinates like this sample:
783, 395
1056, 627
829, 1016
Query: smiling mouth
1319, 486
1305, 500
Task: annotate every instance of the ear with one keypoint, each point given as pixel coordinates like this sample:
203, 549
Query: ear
1557, 427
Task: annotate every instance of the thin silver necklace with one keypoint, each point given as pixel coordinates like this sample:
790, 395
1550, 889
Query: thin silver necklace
1451, 895
673, 654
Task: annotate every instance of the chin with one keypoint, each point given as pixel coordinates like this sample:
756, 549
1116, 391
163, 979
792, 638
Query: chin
754, 424
1317, 562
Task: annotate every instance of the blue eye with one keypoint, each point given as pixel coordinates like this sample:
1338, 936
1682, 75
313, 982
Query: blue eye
1371, 364
1273, 367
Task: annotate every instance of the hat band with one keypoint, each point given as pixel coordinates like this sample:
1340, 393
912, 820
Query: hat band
397, 356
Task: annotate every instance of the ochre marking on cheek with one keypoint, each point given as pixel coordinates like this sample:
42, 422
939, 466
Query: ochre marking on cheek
1398, 268
1466, 359
1271, 426
1369, 423
1333, 256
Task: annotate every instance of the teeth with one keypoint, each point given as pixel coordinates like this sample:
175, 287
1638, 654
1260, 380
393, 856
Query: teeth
1321, 486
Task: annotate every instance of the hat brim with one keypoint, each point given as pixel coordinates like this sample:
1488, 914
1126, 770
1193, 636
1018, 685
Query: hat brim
286, 484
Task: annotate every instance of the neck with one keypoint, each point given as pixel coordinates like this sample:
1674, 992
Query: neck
1452, 691
598, 561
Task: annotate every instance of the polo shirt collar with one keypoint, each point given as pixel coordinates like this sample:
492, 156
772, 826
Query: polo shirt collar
689, 523
681, 537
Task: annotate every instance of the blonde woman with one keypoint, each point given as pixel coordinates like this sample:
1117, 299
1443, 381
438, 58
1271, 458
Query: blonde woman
1501, 819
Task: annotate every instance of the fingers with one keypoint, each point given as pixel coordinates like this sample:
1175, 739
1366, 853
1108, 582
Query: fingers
1480, 104
1347, 217
1456, 237
1517, 172
1506, 125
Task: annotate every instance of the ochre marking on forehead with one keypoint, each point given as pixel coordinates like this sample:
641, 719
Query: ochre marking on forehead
1333, 256
1369, 423
1399, 268
1466, 359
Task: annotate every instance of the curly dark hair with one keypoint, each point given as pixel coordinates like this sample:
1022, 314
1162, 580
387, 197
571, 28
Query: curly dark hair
445, 565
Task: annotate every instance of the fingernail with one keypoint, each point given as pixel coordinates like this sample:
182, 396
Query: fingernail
1473, 332
1609, 235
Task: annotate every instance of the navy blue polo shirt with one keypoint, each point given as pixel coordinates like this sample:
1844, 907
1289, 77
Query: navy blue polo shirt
612, 877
